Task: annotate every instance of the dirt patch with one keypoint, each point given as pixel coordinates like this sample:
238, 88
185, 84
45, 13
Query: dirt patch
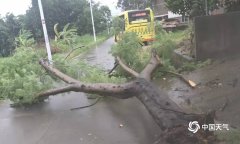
217, 89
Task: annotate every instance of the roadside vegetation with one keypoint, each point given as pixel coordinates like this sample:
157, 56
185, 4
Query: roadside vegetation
22, 45
22, 78
73, 13
130, 50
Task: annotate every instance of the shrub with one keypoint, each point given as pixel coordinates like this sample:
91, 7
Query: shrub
22, 77
82, 71
131, 52
25, 39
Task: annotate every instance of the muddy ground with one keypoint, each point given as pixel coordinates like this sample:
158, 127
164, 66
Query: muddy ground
218, 88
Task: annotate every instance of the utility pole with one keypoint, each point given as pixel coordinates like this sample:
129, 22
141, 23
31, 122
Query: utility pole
45, 32
94, 33
206, 6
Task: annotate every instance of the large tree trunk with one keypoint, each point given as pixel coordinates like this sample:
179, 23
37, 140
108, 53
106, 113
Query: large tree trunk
168, 115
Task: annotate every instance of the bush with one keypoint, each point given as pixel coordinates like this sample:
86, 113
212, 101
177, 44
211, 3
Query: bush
166, 42
22, 77
25, 39
131, 52
82, 71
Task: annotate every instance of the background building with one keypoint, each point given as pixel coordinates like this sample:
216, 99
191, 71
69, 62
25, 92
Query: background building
162, 12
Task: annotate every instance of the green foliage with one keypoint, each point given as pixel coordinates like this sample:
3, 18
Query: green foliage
81, 44
229, 137
67, 35
190, 66
20, 79
13, 23
75, 12
166, 42
66, 38
64, 12
82, 71
191, 8
9, 28
130, 51
24, 39
118, 25
67, 41
134, 4
232, 5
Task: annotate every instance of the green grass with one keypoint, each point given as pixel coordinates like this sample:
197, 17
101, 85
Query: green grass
229, 137
87, 41
166, 42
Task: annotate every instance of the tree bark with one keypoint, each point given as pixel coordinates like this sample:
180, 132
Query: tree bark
167, 114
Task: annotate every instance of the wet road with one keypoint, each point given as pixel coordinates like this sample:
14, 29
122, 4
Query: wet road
52, 122
100, 55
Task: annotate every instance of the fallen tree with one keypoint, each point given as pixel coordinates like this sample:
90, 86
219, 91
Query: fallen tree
172, 120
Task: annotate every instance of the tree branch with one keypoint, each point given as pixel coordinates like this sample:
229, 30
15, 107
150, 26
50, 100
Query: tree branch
57, 73
127, 69
188, 82
122, 91
151, 66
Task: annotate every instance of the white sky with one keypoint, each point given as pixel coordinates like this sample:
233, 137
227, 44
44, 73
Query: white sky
111, 4
20, 6
14, 6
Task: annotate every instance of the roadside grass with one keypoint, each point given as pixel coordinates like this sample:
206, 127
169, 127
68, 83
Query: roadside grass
229, 137
166, 42
85, 43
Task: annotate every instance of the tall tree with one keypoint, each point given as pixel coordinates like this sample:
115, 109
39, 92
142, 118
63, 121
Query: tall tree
191, 8
6, 44
232, 5
134, 4
75, 12
9, 29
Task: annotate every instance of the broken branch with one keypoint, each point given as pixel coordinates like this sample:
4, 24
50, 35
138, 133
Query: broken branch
188, 82
57, 73
122, 91
127, 69
151, 66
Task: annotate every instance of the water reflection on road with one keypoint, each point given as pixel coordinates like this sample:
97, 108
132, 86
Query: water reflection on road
100, 56
52, 122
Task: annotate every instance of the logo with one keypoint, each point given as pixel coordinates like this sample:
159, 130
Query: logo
193, 126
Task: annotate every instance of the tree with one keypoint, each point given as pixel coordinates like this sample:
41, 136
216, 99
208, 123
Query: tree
13, 23
75, 12
6, 42
191, 8
167, 114
9, 28
232, 5
134, 4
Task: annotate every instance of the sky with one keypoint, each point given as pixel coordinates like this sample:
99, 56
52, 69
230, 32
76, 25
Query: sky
20, 6
111, 4
14, 6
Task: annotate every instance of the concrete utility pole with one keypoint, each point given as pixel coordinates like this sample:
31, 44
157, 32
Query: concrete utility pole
94, 33
206, 6
45, 32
